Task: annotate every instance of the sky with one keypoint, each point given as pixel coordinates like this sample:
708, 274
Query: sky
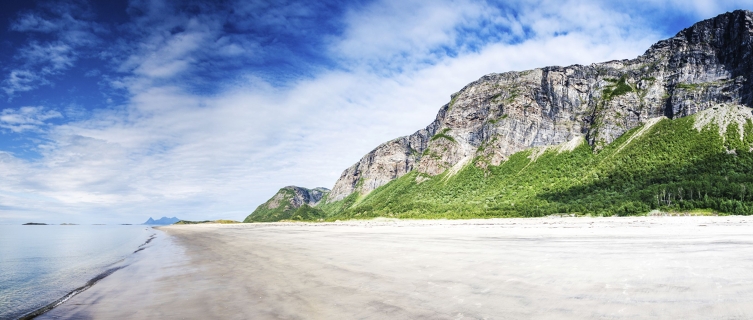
117, 111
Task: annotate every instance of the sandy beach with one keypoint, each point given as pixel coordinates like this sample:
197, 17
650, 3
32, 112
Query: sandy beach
545, 268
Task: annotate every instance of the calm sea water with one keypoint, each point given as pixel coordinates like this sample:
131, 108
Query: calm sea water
41, 264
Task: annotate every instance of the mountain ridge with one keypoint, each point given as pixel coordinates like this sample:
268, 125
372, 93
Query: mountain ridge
705, 66
554, 95
694, 166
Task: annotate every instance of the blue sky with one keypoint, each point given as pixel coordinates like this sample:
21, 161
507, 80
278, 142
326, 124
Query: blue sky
114, 111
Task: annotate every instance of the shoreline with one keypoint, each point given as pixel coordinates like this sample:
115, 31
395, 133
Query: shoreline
112, 268
36, 313
570, 268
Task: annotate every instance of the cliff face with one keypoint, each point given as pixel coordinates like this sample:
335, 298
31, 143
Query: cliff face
387, 162
703, 66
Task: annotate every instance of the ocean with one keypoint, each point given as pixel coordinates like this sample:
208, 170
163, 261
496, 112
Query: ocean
40, 265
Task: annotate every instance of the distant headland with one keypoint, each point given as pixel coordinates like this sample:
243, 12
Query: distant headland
161, 221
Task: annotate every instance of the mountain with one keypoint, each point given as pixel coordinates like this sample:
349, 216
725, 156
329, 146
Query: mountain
670, 129
702, 162
161, 221
291, 203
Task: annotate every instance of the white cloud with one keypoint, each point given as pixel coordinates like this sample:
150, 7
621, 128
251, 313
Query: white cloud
698, 9
33, 22
52, 56
167, 55
387, 31
40, 61
26, 118
66, 24
21, 80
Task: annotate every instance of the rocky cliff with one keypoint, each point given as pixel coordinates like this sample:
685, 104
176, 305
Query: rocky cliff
286, 202
293, 197
706, 65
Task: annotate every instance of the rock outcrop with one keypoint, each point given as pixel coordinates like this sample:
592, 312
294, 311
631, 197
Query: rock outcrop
706, 65
286, 202
293, 197
387, 162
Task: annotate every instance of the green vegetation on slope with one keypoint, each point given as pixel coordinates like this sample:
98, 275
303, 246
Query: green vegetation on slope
339, 206
617, 88
275, 209
303, 213
221, 221
307, 213
280, 208
670, 166
443, 135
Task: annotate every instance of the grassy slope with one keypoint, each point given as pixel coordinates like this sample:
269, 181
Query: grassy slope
284, 211
221, 221
670, 167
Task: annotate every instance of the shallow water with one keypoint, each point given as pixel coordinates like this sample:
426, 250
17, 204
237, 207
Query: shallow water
41, 264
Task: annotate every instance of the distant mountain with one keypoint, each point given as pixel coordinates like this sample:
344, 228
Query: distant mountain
161, 221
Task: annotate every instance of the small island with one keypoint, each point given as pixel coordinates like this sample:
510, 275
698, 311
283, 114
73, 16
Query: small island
34, 224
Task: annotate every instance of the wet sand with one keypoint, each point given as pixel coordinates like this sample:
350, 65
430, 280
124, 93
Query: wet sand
547, 268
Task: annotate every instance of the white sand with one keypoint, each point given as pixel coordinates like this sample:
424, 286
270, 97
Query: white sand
563, 268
